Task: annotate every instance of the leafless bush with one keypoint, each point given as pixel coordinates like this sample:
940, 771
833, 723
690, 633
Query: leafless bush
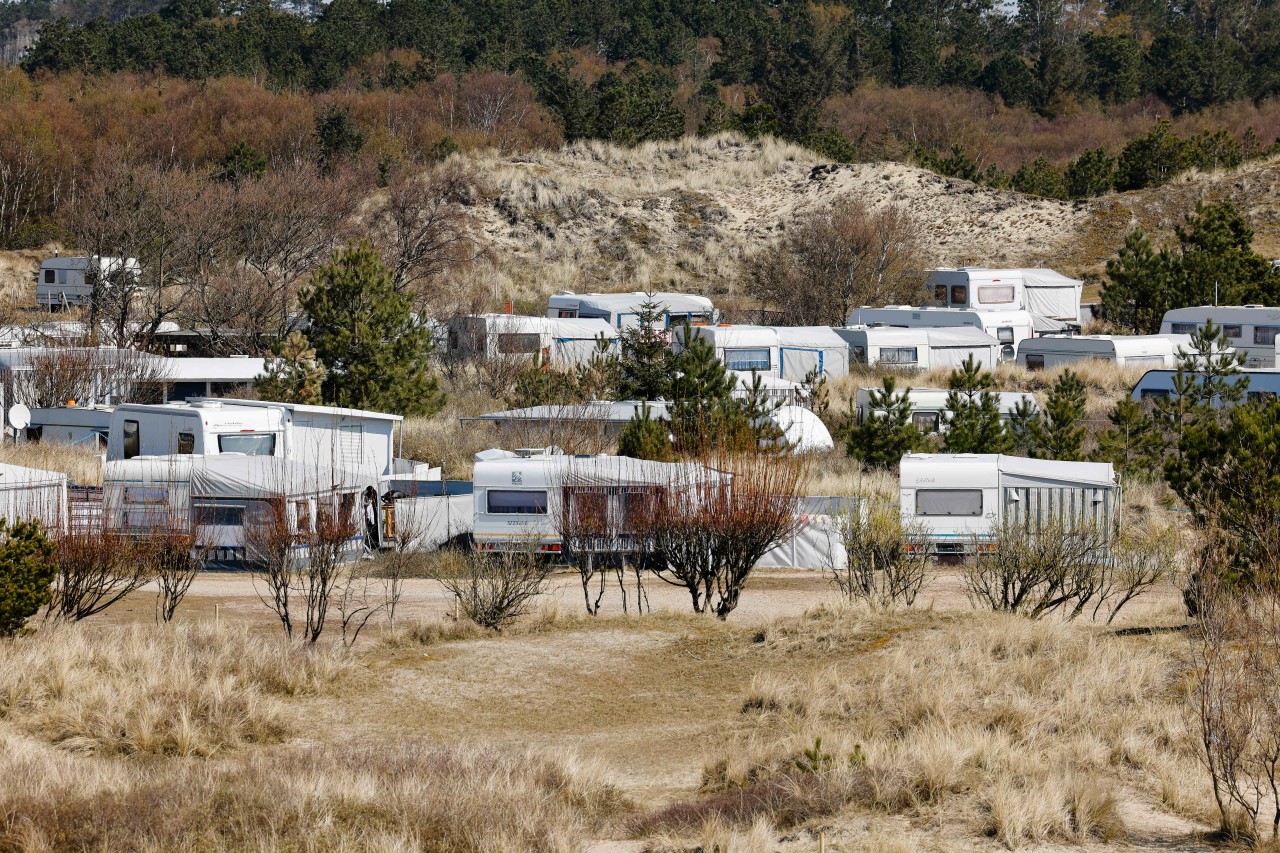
710, 525
595, 519
96, 569
57, 375
171, 557
359, 597
885, 560
493, 589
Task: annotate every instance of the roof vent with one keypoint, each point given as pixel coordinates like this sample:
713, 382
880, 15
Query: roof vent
206, 404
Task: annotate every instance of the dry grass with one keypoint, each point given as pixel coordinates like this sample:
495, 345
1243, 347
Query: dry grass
1021, 731
409, 796
193, 689
82, 465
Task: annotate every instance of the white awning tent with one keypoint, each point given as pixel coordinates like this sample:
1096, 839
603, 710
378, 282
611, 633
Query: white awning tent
817, 544
802, 430
33, 494
919, 347
805, 349
1051, 295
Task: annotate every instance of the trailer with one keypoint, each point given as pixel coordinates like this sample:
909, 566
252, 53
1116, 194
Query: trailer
1252, 330
1264, 385
86, 426
923, 347
962, 499
559, 343
1125, 350
68, 282
621, 310
1009, 326
929, 412
1051, 298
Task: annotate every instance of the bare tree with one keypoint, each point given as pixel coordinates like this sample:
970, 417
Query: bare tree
55, 375
96, 569
493, 589
271, 541
358, 599
837, 259
885, 560
174, 561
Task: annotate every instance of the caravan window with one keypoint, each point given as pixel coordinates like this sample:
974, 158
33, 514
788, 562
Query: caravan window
926, 422
518, 342
248, 443
568, 314
50, 276
1265, 335
186, 443
132, 442
1234, 331
959, 294
216, 513
898, 355
859, 354
755, 358
994, 294
1153, 394
1035, 361
1004, 334
510, 502
940, 293
1182, 329
949, 502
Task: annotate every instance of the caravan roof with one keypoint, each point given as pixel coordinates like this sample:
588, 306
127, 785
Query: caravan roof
1112, 345
673, 303
336, 411
542, 470
986, 469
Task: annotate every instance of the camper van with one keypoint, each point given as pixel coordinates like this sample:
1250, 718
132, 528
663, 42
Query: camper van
929, 407
621, 310
1253, 330
1009, 326
518, 495
1125, 350
68, 282
197, 428
1264, 385
962, 498
1051, 298
922, 348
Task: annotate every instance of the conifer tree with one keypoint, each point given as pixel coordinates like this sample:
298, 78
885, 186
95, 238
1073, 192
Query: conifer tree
974, 425
645, 363
1060, 432
646, 437
1132, 443
704, 412
1139, 287
27, 571
1024, 428
364, 332
887, 434
1207, 383
293, 374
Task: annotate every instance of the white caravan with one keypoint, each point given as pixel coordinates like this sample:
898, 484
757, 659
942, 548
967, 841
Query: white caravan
1253, 330
929, 406
1009, 326
620, 310
1125, 350
560, 343
1052, 298
1264, 385
87, 426
67, 282
924, 348
743, 348
518, 496
961, 499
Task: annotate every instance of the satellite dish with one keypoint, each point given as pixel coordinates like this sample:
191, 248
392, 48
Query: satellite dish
19, 416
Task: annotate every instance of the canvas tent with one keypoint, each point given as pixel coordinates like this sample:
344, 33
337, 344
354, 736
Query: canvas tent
921, 347
32, 494
1052, 296
817, 544
802, 430
804, 349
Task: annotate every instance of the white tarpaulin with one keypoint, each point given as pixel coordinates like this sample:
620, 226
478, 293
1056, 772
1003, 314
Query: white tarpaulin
803, 349
225, 475
1052, 295
817, 544
802, 430
32, 494
950, 347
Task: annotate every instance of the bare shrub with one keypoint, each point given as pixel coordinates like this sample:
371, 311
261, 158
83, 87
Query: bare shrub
359, 597
595, 520
493, 589
96, 569
885, 560
194, 689
710, 525
174, 561
58, 374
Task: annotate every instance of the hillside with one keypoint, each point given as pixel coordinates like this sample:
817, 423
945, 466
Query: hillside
683, 213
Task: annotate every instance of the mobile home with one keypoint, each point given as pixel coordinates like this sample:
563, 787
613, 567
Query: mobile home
1125, 350
67, 282
1264, 384
561, 343
1253, 330
929, 406
924, 348
961, 499
1009, 326
1052, 298
621, 310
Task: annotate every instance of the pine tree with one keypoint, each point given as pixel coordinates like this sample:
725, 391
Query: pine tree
1207, 382
974, 425
1133, 443
704, 412
757, 407
645, 362
293, 374
27, 571
364, 333
1061, 431
887, 434
1139, 287
645, 437
1024, 428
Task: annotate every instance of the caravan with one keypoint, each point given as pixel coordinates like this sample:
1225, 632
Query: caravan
1051, 298
621, 310
1264, 385
924, 348
929, 407
1253, 330
1009, 326
560, 343
787, 353
1125, 350
962, 499
68, 282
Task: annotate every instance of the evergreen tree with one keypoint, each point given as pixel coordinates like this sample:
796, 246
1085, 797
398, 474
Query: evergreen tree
1218, 265
756, 408
1041, 178
645, 361
974, 424
1132, 443
645, 437
337, 137
293, 374
1139, 286
1152, 159
887, 433
364, 333
1092, 173
1061, 431
704, 413
27, 571
1024, 428
1207, 382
